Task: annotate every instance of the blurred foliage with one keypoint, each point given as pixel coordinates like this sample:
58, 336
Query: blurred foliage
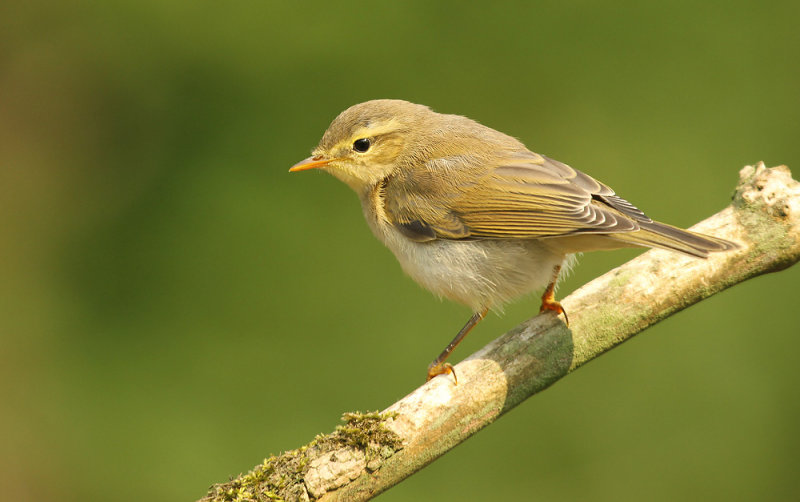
175, 306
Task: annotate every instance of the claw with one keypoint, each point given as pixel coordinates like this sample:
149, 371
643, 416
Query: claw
553, 306
441, 369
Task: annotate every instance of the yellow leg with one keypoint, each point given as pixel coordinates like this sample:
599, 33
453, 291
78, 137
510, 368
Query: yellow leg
549, 302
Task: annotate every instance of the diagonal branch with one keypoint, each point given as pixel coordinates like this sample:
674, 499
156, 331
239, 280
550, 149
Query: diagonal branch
376, 451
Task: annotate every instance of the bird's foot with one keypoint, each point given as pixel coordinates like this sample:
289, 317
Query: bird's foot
437, 368
551, 305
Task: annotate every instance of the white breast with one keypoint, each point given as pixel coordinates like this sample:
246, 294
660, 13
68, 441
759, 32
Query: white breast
479, 273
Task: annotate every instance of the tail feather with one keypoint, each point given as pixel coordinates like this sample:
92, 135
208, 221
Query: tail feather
661, 235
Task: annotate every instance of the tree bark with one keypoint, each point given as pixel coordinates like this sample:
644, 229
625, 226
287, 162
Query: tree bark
764, 218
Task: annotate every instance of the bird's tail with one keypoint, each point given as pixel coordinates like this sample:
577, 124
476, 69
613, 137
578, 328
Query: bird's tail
660, 235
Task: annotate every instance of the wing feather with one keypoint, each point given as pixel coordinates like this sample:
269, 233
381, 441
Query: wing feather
514, 195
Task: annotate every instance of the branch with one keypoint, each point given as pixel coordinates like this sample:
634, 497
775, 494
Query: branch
376, 451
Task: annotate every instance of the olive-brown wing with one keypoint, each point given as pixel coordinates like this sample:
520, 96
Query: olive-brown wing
519, 195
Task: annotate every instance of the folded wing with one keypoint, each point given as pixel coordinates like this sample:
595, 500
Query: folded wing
522, 195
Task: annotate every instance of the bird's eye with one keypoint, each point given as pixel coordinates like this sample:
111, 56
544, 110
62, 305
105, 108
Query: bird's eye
361, 145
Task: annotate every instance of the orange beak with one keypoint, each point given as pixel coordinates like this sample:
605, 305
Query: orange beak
310, 163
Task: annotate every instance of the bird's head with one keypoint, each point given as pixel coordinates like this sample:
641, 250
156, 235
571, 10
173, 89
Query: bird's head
369, 141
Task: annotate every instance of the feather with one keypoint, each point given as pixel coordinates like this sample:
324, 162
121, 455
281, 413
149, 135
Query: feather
509, 195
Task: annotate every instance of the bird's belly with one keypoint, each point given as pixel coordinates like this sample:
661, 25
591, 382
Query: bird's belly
479, 274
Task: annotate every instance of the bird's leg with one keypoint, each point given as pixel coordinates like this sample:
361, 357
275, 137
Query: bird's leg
439, 366
549, 297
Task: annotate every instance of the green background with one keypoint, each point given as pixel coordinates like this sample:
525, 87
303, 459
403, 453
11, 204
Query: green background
175, 306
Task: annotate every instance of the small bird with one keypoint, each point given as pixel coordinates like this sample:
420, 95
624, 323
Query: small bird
474, 216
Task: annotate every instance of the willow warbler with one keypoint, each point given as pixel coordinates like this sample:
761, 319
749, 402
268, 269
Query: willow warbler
474, 216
